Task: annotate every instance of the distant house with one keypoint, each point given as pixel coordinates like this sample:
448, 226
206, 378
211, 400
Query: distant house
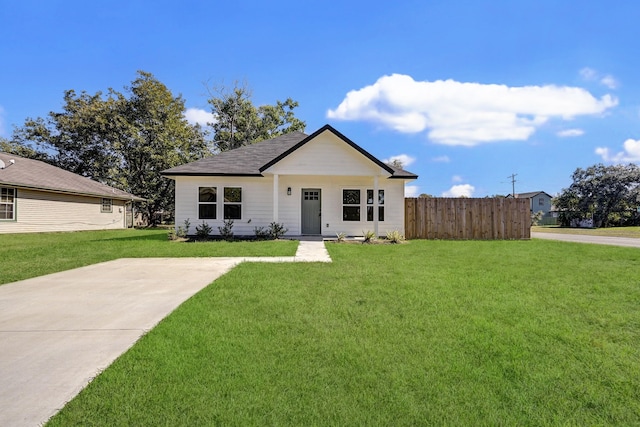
538, 201
38, 197
318, 184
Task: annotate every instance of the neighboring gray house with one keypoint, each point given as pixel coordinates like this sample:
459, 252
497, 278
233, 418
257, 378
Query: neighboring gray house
37, 197
318, 184
538, 201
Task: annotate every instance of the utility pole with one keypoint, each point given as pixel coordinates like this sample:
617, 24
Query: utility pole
513, 184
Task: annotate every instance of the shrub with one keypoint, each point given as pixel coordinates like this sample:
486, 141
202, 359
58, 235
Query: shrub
369, 236
226, 229
261, 233
341, 236
536, 217
395, 236
276, 230
203, 230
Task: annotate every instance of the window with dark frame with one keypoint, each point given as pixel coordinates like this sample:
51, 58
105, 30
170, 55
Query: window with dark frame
207, 202
370, 205
232, 203
7, 203
107, 206
540, 201
351, 205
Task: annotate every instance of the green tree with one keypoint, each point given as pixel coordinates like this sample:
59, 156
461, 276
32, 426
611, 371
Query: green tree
239, 122
608, 194
121, 139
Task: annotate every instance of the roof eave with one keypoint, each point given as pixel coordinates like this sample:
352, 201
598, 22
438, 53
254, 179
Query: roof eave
71, 192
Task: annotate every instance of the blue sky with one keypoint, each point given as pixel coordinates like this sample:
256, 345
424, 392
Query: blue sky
467, 93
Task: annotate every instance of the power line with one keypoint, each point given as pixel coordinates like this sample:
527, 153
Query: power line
513, 184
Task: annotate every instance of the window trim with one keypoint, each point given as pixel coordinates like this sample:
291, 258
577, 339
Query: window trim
352, 205
13, 203
106, 207
231, 203
214, 203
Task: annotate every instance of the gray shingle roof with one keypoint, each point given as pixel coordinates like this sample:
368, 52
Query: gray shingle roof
252, 159
34, 174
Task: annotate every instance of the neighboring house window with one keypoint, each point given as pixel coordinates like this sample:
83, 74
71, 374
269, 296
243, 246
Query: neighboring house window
232, 203
7, 203
540, 201
207, 202
107, 206
370, 205
351, 205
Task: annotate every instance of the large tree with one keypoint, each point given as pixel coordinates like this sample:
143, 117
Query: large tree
121, 139
239, 122
608, 194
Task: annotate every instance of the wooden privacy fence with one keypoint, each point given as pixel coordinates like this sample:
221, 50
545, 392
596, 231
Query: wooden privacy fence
467, 219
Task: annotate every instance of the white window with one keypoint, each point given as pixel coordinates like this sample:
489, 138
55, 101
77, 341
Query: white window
207, 202
232, 203
107, 206
7, 203
351, 205
370, 205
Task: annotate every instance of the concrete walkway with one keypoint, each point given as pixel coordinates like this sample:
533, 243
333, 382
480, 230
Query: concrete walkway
583, 238
57, 332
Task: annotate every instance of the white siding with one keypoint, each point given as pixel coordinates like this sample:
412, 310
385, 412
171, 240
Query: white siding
257, 202
327, 155
39, 211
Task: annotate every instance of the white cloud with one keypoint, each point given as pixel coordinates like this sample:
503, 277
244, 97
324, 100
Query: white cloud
456, 178
441, 159
411, 191
405, 159
588, 74
631, 153
460, 190
197, 115
609, 81
570, 133
591, 75
456, 113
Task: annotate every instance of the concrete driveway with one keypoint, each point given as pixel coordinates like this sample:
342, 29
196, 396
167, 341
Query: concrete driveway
583, 238
57, 332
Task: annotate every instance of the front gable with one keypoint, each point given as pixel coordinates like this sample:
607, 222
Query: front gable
327, 153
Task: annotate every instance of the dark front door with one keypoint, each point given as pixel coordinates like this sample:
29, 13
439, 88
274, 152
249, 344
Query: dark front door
311, 219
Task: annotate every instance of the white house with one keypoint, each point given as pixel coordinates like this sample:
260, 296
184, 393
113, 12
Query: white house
37, 197
318, 184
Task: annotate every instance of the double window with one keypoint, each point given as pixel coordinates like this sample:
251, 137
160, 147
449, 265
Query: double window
351, 205
7, 203
208, 203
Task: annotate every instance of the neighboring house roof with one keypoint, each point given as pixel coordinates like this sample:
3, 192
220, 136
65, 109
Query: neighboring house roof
530, 195
37, 175
252, 160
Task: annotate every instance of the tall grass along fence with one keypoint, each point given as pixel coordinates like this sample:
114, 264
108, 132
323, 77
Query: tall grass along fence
467, 219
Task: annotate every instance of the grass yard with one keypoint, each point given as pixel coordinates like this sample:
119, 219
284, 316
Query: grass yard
34, 254
609, 231
427, 333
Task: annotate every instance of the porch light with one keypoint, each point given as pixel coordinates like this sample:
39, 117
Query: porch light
288, 191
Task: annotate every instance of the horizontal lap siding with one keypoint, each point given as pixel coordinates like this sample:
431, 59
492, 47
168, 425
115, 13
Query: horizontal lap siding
257, 196
257, 206
39, 211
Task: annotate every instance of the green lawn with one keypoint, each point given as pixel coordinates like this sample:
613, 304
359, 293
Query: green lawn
426, 333
609, 231
29, 255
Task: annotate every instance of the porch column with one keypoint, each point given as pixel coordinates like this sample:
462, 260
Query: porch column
275, 197
375, 205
